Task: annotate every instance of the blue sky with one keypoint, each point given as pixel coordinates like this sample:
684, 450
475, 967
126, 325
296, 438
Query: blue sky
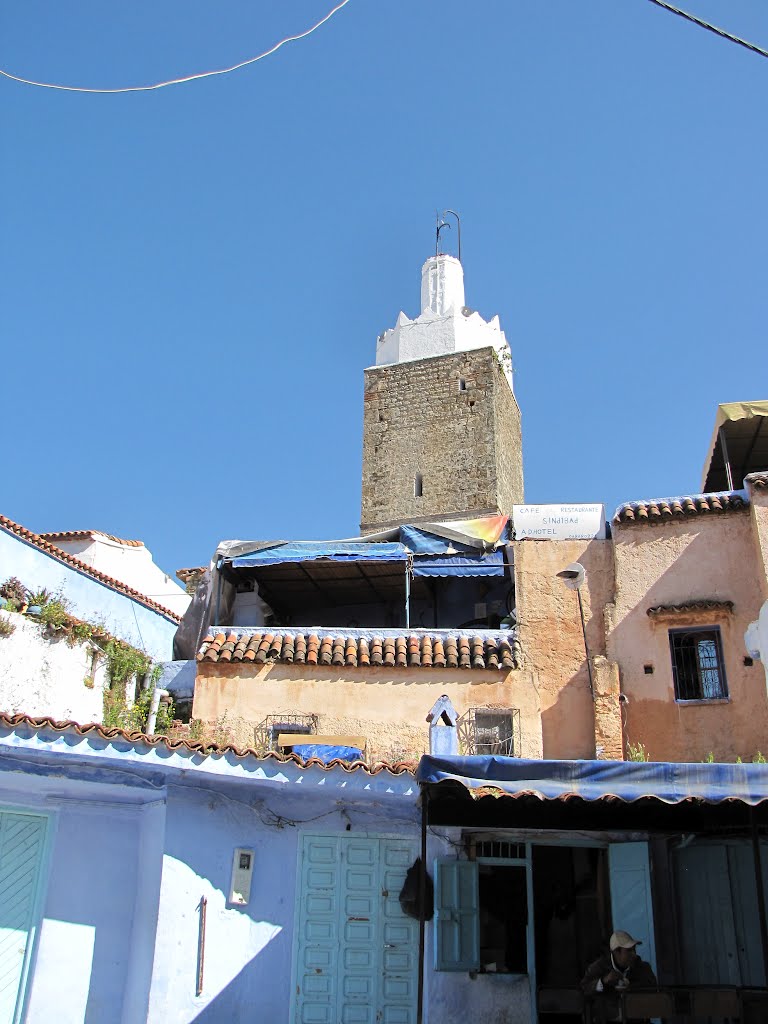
192, 280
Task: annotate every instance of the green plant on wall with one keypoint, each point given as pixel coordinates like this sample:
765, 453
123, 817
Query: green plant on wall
119, 715
636, 752
55, 614
39, 598
124, 661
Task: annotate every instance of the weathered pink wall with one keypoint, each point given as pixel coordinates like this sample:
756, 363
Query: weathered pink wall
703, 557
387, 706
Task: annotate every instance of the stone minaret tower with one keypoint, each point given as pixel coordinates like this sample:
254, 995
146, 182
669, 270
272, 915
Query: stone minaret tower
441, 426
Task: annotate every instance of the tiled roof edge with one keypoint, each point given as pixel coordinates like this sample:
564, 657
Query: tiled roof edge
137, 739
185, 574
36, 540
83, 534
689, 606
497, 652
668, 510
757, 480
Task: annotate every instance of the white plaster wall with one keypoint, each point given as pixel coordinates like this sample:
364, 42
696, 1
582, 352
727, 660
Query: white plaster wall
756, 638
442, 327
133, 566
39, 676
96, 602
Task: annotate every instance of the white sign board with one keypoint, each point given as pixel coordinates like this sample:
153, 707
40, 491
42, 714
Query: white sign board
559, 522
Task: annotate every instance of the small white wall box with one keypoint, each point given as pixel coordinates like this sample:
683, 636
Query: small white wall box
242, 873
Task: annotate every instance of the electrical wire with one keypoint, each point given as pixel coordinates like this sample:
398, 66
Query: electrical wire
711, 28
187, 78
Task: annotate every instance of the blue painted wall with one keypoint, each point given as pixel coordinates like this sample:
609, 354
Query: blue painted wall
125, 618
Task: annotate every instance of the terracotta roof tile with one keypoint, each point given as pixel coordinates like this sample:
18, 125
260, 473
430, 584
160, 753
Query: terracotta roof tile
90, 534
689, 606
185, 575
140, 739
38, 541
759, 481
415, 649
668, 510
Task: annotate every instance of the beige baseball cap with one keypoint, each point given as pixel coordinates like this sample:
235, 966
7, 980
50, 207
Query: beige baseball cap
623, 940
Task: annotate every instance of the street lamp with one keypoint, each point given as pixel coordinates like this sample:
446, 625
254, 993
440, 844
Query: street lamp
573, 577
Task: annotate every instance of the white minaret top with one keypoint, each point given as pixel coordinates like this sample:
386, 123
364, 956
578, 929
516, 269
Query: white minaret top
442, 285
445, 324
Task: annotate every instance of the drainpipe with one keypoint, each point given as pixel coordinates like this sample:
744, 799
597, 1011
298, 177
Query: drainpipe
408, 571
152, 720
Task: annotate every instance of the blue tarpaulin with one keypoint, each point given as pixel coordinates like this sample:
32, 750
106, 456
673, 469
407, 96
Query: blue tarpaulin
335, 551
491, 564
421, 542
326, 754
594, 780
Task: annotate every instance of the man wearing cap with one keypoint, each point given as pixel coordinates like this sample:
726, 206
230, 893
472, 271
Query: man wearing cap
619, 969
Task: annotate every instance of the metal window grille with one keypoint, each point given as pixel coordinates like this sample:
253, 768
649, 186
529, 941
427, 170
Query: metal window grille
490, 731
268, 731
500, 849
697, 664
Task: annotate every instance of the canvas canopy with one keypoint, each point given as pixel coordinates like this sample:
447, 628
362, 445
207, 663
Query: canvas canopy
739, 445
491, 564
309, 551
628, 781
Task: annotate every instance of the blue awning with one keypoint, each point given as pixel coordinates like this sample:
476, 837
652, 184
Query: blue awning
594, 780
491, 564
335, 551
421, 542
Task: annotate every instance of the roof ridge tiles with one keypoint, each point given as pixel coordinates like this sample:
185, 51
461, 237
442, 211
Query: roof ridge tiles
82, 534
346, 649
38, 540
665, 510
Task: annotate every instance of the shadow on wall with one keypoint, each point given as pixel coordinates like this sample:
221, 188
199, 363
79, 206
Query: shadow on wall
247, 952
568, 724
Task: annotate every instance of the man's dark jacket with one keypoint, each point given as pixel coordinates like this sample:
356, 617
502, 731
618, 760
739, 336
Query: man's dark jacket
640, 975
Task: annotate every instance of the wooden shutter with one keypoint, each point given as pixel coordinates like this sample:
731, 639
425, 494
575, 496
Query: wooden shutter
457, 923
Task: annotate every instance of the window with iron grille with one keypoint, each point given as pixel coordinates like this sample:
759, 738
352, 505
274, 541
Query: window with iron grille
697, 664
490, 731
268, 731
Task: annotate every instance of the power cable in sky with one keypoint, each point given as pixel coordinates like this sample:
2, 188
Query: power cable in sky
187, 78
711, 28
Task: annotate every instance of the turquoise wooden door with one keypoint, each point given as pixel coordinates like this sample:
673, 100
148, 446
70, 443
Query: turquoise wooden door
356, 952
22, 840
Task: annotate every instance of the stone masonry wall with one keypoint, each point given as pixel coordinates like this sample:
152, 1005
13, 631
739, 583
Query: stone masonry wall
466, 444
